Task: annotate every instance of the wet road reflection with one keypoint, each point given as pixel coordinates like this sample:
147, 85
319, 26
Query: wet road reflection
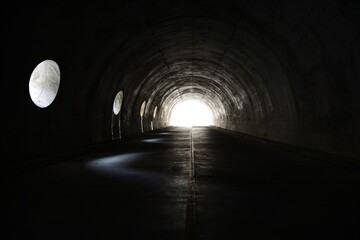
153, 140
120, 166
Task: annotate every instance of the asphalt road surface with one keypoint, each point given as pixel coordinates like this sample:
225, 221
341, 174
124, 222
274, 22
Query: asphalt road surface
184, 183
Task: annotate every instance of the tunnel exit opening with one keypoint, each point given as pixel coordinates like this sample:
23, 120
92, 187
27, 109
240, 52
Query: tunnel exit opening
190, 113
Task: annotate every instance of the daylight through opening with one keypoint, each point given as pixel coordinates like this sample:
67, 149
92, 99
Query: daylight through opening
191, 113
44, 83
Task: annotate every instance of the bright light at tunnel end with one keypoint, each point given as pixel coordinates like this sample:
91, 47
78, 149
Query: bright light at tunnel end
190, 113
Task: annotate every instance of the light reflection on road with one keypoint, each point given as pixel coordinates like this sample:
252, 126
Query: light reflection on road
120, 167
153, 140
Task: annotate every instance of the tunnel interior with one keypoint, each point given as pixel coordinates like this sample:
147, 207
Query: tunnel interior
89, 90
283, 71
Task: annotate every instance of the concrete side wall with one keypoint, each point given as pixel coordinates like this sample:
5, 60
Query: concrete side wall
303, 135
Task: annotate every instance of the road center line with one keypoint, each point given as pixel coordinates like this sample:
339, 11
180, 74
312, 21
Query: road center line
190, 219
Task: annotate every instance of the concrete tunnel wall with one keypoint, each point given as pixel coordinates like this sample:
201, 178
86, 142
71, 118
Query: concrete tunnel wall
286, 71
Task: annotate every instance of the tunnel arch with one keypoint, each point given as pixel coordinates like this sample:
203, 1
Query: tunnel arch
254, 102
238, 62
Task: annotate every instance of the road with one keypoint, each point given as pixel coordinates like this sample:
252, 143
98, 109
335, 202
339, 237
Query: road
184, 183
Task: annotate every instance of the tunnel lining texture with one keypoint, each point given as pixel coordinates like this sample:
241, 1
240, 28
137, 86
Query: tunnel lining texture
285, 72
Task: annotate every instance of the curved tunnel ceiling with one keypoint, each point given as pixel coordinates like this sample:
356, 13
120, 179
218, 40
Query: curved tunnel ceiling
253, 62
219, 55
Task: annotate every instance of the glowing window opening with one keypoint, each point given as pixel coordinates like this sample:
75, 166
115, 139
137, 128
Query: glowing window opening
118, 102
142, 109
155, 111
44, 83
190, 113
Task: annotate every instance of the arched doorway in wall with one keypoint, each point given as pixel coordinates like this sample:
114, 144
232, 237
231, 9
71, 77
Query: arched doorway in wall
116, 116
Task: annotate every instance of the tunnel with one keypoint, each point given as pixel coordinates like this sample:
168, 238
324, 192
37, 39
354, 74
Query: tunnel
84, 80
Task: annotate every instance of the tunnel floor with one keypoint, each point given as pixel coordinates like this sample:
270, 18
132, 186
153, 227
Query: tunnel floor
184, 183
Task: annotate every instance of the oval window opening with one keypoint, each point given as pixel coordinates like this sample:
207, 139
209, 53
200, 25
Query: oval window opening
142, 109
44, 83
155, 112
118, 102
